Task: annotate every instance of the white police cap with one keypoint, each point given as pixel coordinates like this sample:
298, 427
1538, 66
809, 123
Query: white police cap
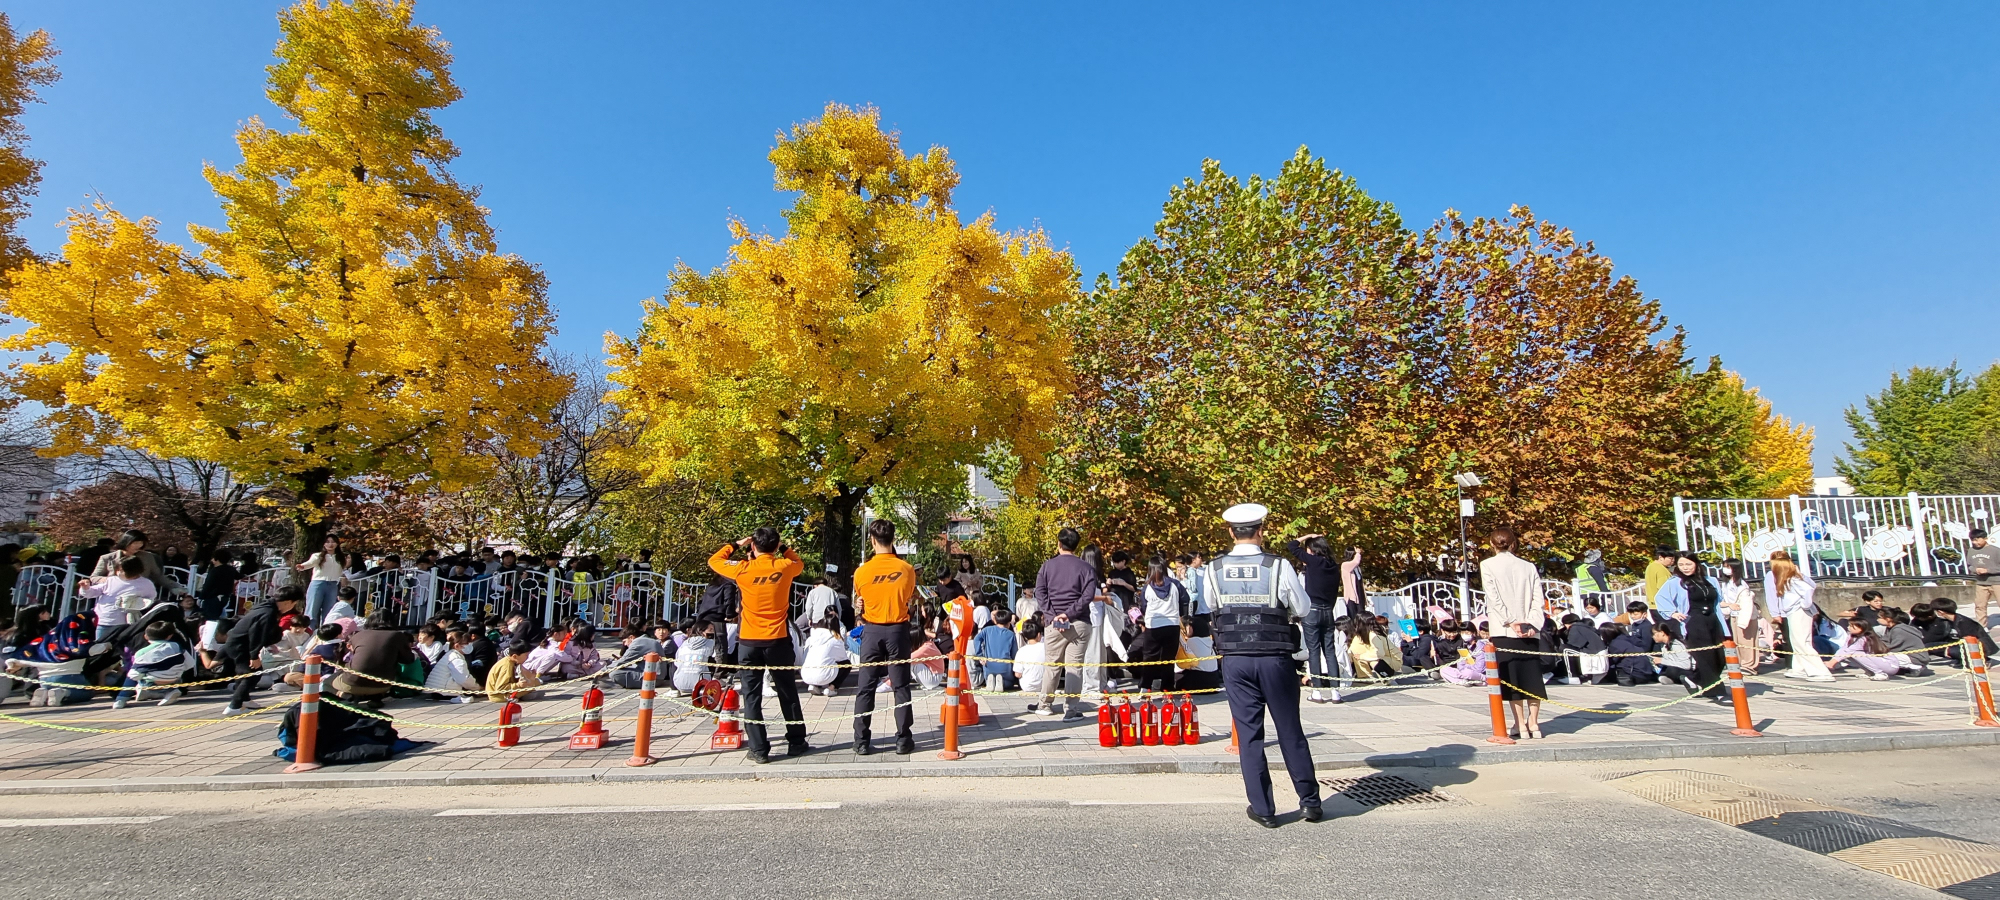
1245, 514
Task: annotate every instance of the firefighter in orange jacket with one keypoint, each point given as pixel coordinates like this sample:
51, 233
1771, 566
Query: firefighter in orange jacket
883, 589
764, 638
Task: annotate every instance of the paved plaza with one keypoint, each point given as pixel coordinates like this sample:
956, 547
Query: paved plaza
1425, 724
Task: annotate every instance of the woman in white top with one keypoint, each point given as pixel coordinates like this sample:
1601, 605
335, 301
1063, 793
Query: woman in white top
1791, 596
825, 650
325, 567
1513, 612
1740, 607
119, 595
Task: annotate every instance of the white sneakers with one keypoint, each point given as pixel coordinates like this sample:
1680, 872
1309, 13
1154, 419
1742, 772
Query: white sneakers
231, 710
173, 694
118, 703
1044, 710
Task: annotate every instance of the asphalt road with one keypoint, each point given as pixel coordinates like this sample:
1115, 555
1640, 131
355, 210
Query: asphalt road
1510, 831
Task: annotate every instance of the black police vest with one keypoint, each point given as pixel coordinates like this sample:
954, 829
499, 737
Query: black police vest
1249, 621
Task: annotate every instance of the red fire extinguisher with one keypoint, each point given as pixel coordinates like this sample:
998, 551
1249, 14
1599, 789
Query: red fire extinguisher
1170, 722
1128, 731
1107, 729
1149, 721
1190, 728
509, 736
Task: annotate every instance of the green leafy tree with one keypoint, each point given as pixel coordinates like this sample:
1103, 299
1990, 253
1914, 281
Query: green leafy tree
1264, 344
1916, 433
683, 520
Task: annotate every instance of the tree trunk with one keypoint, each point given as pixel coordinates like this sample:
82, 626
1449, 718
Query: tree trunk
839, 530
309, 522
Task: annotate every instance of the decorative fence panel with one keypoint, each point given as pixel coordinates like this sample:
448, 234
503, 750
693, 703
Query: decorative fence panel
1845, 538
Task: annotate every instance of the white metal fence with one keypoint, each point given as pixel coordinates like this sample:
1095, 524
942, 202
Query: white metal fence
55, 587
1420, 600
1847, 538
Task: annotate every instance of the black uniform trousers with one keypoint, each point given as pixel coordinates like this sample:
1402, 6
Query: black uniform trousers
1252, 684
880, 643
785, 681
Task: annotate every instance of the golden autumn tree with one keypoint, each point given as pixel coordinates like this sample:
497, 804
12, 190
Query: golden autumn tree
26, 63
1560, 384
352, 316
880, 341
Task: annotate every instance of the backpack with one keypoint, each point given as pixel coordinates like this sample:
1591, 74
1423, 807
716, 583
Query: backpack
721, 601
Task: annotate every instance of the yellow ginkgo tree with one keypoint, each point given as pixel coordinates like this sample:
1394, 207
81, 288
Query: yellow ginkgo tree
352, 316
879, 341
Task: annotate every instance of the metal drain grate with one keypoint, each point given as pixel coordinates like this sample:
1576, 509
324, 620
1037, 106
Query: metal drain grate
1385, 790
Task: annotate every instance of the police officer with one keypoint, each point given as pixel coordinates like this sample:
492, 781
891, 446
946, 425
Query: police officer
1255, 597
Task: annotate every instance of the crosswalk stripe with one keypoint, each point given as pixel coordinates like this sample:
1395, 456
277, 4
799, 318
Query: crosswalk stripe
1151, 802
95, 820
606, 810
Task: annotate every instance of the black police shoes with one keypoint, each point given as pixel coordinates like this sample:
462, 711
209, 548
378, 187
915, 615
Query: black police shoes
862, 748
1266, 821
906, 746
1312, 813
757, 756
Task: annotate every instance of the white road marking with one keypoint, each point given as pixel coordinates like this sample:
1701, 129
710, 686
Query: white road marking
597, 810
98, 820
1149, 802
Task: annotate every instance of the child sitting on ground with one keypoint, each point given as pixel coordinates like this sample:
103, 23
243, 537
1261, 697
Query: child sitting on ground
510, 675
1629, 655
1865, 649
825, 651
161, 663
344, 604
1903, 639
451, 672
1030, 660
691, 660
1470, 669
1583, 651
1676, 664
996, 645
329, 645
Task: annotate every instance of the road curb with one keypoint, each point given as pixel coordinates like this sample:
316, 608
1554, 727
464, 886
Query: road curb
1449, 756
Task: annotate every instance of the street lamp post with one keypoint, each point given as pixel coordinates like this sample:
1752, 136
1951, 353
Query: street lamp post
1464, 480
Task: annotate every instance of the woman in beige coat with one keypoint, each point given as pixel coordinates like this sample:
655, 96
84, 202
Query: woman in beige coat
1514, 619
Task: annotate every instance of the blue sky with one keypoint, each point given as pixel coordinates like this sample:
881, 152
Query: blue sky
1808, 188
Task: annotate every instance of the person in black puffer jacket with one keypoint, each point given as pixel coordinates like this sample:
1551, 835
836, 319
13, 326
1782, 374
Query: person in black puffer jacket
256, 630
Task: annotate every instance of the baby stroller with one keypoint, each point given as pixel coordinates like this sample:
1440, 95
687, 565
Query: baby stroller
112, 655
59, 659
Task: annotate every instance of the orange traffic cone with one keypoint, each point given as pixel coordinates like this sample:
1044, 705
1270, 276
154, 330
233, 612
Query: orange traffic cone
1232, 736
590, 736
968, 702
728, 734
